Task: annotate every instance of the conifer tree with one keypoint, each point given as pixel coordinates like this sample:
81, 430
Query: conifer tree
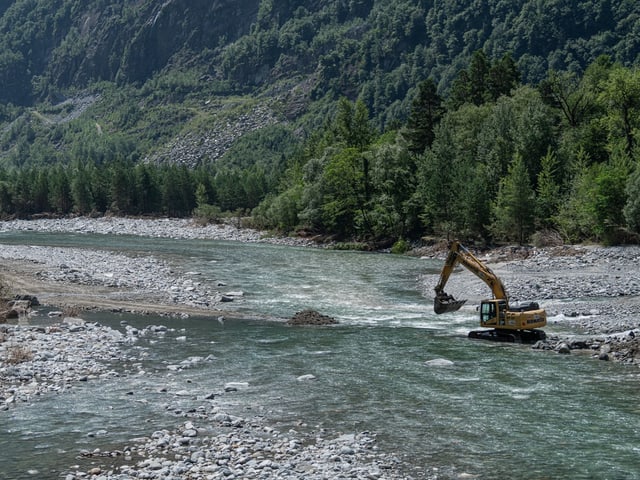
426, 112
81, 190
548, 190
513, 211
60, 190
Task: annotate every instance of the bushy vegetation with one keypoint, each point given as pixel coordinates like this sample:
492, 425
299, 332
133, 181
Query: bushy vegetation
390, 120
559, 157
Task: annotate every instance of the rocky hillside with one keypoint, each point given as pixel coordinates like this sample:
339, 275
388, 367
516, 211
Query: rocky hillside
191, 74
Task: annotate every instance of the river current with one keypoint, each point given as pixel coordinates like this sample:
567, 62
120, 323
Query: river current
491, 411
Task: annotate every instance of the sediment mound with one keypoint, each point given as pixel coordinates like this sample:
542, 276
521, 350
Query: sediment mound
311, 317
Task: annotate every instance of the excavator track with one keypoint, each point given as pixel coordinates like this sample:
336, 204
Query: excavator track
509, 336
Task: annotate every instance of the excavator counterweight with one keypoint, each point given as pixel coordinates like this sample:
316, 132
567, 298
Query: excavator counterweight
510, 324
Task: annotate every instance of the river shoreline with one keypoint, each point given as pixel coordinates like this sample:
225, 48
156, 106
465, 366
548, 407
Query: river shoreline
100, 279
71, 279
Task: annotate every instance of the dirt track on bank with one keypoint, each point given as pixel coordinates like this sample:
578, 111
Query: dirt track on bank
22, 278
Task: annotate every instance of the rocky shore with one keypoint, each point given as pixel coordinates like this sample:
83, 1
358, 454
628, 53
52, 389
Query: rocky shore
231, 447
209, 443
139, 284
179, 228
36, 360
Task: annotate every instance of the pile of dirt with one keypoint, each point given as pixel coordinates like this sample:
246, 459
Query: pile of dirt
311, 317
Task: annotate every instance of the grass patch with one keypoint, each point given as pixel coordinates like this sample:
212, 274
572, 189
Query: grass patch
18, 354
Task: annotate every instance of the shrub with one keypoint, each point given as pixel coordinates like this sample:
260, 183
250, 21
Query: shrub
206, 214
401, 246
18, 354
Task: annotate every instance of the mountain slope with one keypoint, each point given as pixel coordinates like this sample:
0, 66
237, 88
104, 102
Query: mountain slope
163, 61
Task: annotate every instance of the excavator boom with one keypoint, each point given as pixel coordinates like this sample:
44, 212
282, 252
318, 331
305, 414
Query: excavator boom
458, 254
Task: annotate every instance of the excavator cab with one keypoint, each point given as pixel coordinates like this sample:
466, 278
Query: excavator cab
492, 313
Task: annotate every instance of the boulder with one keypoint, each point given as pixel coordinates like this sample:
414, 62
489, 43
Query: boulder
439, 362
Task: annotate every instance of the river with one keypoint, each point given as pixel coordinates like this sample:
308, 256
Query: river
496, 411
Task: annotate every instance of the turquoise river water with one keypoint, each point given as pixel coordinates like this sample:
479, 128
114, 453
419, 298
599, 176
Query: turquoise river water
500, 411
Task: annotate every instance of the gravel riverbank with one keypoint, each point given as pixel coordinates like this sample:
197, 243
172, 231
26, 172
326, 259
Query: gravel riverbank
156, 228
73, 277
36, 360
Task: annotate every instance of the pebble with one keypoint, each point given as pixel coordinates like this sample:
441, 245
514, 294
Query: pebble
249, 452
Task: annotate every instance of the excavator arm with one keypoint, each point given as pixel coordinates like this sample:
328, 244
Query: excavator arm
458, 254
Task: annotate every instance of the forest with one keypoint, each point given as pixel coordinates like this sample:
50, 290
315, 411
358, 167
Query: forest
381, 123
495, 161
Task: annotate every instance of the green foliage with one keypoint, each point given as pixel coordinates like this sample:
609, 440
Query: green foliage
455, 187
268, 147
280, 212
513, 210
608, 203
620, 96
343, 184
426, 112
352, 124
205, 214
548, 191
596, 205
631, 209
565, 91
122, 188
484, 80
393, 214
400, 246
575, 217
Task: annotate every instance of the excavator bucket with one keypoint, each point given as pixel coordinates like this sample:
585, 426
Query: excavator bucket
443, 303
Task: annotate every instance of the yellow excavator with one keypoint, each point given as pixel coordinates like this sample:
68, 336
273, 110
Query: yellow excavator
507, 323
